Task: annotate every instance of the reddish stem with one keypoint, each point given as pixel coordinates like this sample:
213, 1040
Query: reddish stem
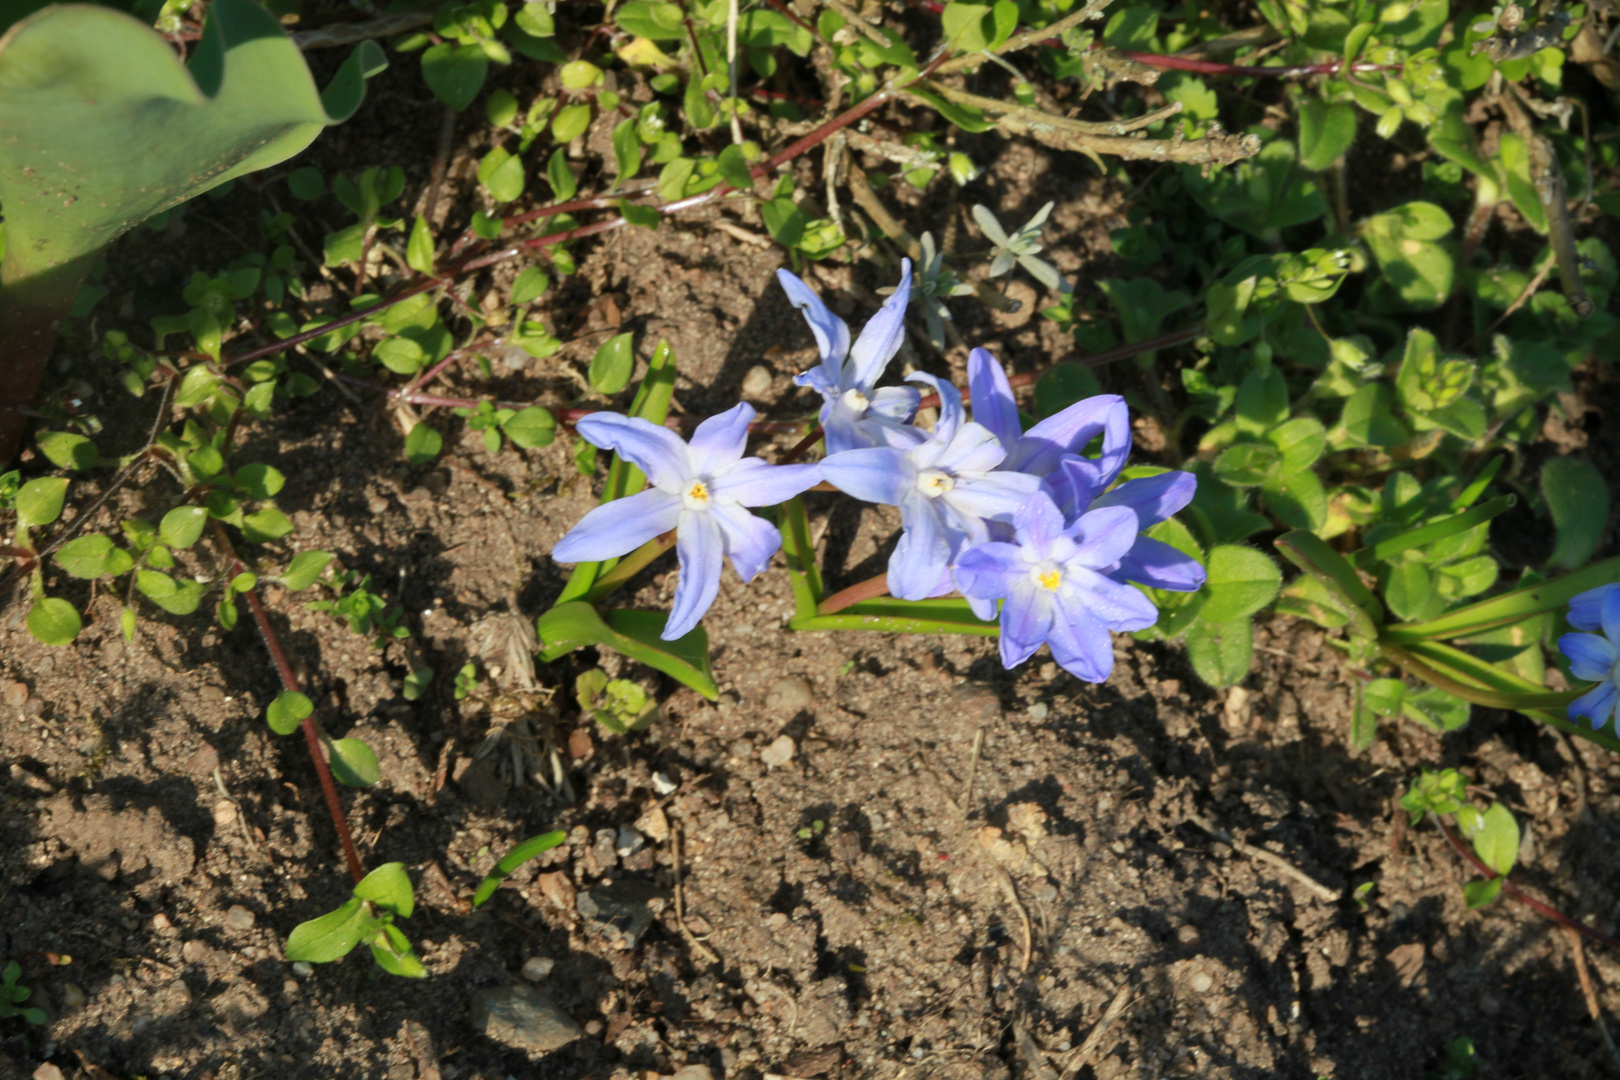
1215, 67
870, 589
1519, 894
289, 681
801, 447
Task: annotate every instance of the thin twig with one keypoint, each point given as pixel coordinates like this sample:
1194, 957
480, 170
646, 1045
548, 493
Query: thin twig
973, 772
680, 901
1093, 1045
1262, 855
1590, 993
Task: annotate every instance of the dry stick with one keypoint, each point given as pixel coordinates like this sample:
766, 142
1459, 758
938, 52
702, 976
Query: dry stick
1093, 1044
289, 682
1261, 854
680, 902
1093, 9
349, 33
1590, 993
1519, 894
441, 163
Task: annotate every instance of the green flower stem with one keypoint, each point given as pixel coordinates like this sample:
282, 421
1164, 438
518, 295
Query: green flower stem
803, 572
629, 566
1471, 692
1508, 608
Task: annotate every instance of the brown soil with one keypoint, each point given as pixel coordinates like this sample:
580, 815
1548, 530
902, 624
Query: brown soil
954, 876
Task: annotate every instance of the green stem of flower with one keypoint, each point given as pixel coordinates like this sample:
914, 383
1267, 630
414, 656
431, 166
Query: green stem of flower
629, 566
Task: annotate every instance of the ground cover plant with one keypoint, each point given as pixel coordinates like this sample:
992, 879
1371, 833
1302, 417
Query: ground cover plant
1152, 339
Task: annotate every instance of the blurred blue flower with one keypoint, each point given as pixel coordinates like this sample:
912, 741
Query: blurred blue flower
1595, 657
699, 489
1038, 450
855, 414
947, 487
1058, 587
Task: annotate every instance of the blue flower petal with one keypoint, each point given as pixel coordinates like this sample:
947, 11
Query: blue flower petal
656, 451
619, 527
951, 413
923, 553
1591, 656
750, 541
1115, 605
880, 338
753, 482
1026, 624
832, 336
1072, 430
993, 402
720, 440
702, 552
896, 402
1154, 498
1104, 536
1158, 565
877, 474
1610, 615
1081, 646
994, 496
1596, 705
1039, 523
990, 571
1586, 609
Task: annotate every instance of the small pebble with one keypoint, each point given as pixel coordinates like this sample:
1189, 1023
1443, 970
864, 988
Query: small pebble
160, 922
779, 753
224, 814
788, 696
1038, 710
742, 748
47, 1071
1048, 672
239, 918
757, 383
654, 824
1188, 934
72, 996
663, 784
290, 987
777, 920
1200, 982
211, 693
536, 968
593, 1027
377, 504
16, 695
630, 841
195, 952
303, 970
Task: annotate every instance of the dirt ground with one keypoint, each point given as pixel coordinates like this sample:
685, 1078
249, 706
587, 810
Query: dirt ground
955, 874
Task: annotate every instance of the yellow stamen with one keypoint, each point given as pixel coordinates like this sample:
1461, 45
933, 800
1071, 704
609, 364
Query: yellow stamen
1050, 579
698, 492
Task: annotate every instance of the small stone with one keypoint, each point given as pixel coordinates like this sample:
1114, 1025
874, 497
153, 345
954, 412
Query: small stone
290, 987
693, 1072
788, 696
437, 482
224, 814
211, 694
606, 849
239, 918
1200, 982
624, 908
203, 762
663, 784
523, 1018
975, 704
1038, 710
1188, 934
579, 744
536, 968
593, 1027
741, 749
779, 753
1048, 672
777, 920
195, 952
630, 841
47, 1071
377, 504
757, 383
303, 969
161, 923
73, 997
654, 824
16, 695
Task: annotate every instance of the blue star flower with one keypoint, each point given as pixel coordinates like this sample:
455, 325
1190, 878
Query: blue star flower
699, 489
1595, 657
855, 414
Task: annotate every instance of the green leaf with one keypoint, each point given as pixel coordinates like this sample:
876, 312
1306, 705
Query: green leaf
1408, 589
571, 122
1385, 696
1262, 401
535, 18
306, 184
1436, 710
575, 624
1241, 581
176, 597
354, 764
419, 249
417, 683
1497, 841
1368, 418
613, 364
455, 73
531, 428
287, 712
53, 621
502, 174
92, 557
650, 19
391, 949
1301, 441
39, 502
1297, 500
183, 526
259, 481
1363, 725
389, 887
1477, 894
265, 525
1325, 132
1436, 531
1062, 386
332, 936
626, 150
561, 178
68, 451
1413, 261
1221, 652
1578, 503
1248, 464
1510, 607
522, 853
305, 567
530, 285
422, 445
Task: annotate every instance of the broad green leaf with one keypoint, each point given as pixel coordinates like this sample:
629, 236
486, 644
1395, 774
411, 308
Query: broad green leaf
613, 364
287, 711
561, 178
1408, 589
574, 624
401, 355
570, 122
419, 249
1477, 894
416, 683
177, 597
39, 502
650, 19
941, 616
455, 73
626, 150
1436, 710
389, 887
259, 481
1297, 500
332, 936
68, 451
1385, 696
1262, 401
391, 949
1510, 607
1407, 242
530, 285
531, 428
1221, 652
502, 174
53, 621
1241, 581
183, 526
1578, 502
92, 557
354, 763
305, 567
1248, 464
1301, 442
1497, 841
1325, 132
522, 853
265, 525
422, 445
1368, 417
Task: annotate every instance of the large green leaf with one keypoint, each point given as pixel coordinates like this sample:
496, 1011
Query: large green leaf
575, 624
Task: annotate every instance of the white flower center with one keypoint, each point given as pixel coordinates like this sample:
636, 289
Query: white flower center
697, 496
934, 482
1046, 575
855, 401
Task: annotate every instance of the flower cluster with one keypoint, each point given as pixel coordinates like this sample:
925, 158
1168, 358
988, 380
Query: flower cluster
1595, 656
1032, 525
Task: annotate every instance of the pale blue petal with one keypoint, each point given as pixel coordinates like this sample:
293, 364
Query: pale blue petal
701, 550
750, 541
819, 380
1586, 609
841, 430
876, 430
877, 474
1072, 430
619, 527
1104, 536
1591, 656
1073, 484
1158, 565
1154, 498
990, 571
720, 440
950, 406
1116, 605
1081, 646
753, 482
896, 402
881, 337
1597, 704
656, 451
832, 336
923, 553
1039, 523
993, 402
995, 496
982, 609
1610, 615
1026, 624
972, 449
